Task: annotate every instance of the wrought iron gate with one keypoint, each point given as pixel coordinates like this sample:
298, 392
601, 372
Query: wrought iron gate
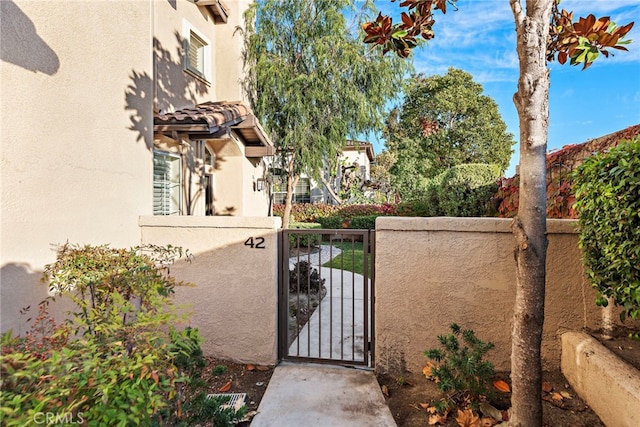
326, 296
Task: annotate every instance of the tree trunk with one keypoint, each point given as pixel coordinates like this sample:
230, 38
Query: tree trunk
330, 190
292, 180
529, 227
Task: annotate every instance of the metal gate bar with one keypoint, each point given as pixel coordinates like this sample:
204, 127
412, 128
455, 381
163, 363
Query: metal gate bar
325, 313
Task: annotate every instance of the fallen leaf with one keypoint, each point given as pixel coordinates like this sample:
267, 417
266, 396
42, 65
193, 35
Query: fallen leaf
427, 369
385, 390
262, 368
566, 394
225, 387
488, 422
154, 375
502, 386
546, 387
432, 409
424, 406
556, 396
505, 415
251, 368
436, 419
467, 418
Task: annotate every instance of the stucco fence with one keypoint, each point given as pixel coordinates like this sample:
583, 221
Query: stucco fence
234, 301
430, 272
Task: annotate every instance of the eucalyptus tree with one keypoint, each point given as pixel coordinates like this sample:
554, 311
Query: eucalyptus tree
543, 33
313, 83
445, 121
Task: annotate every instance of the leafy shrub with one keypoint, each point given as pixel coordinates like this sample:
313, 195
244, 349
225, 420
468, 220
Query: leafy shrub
608, 204
414, 208
350, 211
331, 222
304, 278
461, 369
118, 359
367, 222
304, 240
463, 190
307, 212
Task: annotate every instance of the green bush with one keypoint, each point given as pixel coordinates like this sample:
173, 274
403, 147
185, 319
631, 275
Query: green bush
414, 208
461, 369
463, 191
607, 189
304, 240
367, 222
307, 212
331, 221
118, 359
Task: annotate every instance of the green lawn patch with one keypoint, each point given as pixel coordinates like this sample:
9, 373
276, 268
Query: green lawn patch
350, 259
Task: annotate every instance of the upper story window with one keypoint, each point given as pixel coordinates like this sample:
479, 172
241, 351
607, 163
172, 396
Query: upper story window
197, 53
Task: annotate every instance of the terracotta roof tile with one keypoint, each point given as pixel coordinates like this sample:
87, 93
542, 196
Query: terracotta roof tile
211, 113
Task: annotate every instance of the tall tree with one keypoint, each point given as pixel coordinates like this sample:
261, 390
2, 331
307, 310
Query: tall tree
544, 33
446, 121
314, 83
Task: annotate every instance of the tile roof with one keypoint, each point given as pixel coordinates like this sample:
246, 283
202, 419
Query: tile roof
211, 113
210, 120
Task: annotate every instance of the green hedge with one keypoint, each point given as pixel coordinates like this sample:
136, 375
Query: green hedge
304, 240
608, 203
463, 190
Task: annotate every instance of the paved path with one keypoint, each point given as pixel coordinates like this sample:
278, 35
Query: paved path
308, 395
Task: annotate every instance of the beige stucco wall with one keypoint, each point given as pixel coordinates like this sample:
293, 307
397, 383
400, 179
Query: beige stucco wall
75, 164
234, 303
431, 272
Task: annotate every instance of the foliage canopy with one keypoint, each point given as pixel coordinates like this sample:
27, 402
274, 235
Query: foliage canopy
608, 203
443, 122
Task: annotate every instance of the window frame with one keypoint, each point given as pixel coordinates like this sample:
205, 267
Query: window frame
203, 74
173, 186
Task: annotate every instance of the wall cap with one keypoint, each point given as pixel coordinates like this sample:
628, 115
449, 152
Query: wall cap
471, 225
185, 221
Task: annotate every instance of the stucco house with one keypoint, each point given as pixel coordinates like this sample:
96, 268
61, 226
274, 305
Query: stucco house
116, 111
353, 164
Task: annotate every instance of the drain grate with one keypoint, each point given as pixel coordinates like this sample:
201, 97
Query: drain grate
236, 400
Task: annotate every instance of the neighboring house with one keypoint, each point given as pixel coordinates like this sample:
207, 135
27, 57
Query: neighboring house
354, 165
116, 110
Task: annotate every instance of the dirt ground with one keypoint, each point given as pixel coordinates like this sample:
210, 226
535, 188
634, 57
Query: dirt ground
249, 379
407, 396
619, 343
561, 407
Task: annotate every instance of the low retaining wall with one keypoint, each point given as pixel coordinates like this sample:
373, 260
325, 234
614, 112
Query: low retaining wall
608, 384
234, 303
431, 272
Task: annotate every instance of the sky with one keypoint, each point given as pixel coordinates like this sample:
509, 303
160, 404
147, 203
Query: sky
480, 39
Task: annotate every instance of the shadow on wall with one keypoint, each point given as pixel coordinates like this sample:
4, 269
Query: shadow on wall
172, 88
21, 45
14, 299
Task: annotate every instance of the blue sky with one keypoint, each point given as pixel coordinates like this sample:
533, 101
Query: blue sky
480, 39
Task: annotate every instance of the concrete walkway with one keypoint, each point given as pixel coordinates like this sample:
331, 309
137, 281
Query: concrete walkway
311, 395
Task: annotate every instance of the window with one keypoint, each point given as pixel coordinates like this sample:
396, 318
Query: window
167, 179
302, 192
197, 53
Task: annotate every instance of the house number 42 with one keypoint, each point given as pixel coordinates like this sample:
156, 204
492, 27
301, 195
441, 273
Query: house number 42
255, 242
